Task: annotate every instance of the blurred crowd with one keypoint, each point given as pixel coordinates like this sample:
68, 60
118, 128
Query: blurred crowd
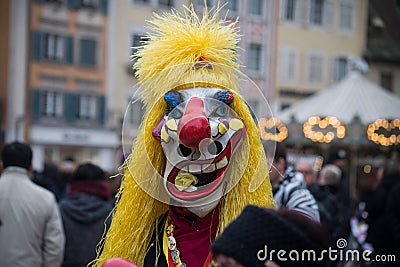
58, 216
55, 217
368, 220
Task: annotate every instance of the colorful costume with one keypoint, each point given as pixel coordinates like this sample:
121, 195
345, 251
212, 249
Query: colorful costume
198, 157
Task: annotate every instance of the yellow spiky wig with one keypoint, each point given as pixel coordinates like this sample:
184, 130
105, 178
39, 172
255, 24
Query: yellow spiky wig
166, 61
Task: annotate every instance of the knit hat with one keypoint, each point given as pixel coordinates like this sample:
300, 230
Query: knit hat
257, 231
88, 171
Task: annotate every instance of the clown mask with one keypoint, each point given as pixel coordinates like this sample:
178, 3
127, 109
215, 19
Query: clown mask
199, 134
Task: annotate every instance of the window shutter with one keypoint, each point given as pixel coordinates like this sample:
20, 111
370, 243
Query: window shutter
328, 14
70, 107
104, 6
304, 11
36, 104
101, 114
74, 4
88, 52
38, 45
282, 6
69, 49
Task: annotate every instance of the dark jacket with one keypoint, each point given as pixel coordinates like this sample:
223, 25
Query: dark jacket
156, 247
83, 217
327, 206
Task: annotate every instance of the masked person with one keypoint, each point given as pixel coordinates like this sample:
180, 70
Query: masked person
197, 160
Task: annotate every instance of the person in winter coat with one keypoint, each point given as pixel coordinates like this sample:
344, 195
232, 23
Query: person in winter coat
31, 232
289, 188
85, 212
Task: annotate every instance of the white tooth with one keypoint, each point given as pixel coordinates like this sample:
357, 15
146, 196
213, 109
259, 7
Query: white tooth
190, 189
208, 168
222, 163
194, 168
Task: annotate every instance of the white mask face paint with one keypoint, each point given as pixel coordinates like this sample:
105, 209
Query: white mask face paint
199, 135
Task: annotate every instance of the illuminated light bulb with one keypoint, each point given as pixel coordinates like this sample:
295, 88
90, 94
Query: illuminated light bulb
367, 168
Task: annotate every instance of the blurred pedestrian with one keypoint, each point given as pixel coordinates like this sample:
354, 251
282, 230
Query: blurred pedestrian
326, 201
85, 213
31, 232
289, 188
261, 237
306, 168
47, 178
64, 177
383, 212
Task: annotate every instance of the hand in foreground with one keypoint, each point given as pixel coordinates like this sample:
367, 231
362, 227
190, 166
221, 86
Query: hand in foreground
118, 262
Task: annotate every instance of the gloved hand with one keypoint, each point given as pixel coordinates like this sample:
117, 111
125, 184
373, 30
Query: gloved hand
118, 262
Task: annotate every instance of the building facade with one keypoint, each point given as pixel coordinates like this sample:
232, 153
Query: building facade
127, 18
383, 44
317, 43
66, 83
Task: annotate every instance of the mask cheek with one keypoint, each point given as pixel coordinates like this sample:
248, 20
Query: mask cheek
157, 130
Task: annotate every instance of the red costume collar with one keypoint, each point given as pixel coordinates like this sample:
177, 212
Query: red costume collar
194, 235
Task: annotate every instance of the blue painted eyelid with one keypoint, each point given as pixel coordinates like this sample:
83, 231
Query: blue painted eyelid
172, 98
225, 96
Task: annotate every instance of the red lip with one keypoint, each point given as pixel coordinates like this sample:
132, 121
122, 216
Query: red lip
204, 190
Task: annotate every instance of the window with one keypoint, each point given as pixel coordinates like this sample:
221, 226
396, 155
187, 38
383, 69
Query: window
209, 3
52, 104
387, 80
87, 107
315, 69
55, 1
54, 47
93, 4
256, 7
287, 65
142, 1
341, 67
316, 12
51, 46
346, 15
232, 6
289, 10
136, 41
88, 52
137, 112
169, 3
254, 57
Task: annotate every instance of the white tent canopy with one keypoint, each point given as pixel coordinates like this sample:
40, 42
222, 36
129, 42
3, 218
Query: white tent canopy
353, 96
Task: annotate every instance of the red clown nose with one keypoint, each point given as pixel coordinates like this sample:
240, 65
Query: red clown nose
193, 127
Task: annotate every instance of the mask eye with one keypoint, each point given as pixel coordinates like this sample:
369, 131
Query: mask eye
176, 113
221, 111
